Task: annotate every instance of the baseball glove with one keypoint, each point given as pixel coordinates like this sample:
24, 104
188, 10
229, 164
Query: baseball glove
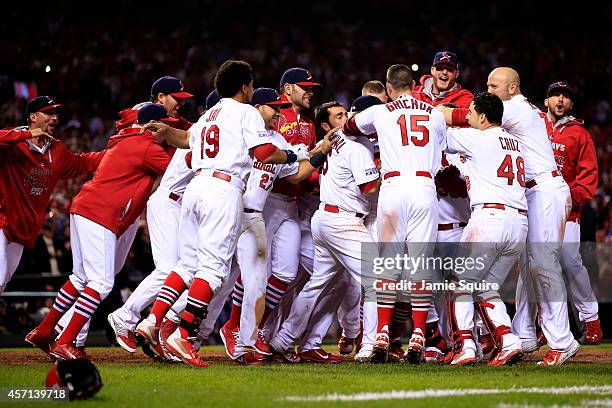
449, 182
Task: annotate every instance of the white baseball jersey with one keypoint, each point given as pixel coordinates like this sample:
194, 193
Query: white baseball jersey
349, 164
411, 134
494, 168
177, 174
221, 138
526, 122
453, 210
263, 175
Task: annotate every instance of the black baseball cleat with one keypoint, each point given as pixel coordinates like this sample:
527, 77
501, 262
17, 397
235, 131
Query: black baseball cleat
380, 355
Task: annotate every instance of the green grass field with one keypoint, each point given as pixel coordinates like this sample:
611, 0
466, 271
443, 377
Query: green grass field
137, 383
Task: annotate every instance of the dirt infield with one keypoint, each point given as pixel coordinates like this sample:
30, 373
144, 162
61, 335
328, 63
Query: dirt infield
115, 355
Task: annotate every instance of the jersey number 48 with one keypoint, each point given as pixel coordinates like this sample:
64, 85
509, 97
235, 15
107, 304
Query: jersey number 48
506, 170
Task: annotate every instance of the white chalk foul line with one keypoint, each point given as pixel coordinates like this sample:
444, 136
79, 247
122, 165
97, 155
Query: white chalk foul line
431, 393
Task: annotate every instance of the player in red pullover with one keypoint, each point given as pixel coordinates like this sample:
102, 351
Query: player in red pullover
31, 163
441, 86
107, 207
577, 161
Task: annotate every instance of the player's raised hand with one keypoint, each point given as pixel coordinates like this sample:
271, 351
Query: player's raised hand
40, 135
325, 145
157, 128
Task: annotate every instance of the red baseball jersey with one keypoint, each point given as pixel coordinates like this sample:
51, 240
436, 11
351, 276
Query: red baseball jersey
296, 129
456, 95
119, 190
29, 176
576, 159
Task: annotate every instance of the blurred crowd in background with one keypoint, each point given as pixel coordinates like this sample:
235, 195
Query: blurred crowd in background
104, 61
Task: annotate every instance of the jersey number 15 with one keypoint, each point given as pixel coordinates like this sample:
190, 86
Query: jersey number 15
415, 127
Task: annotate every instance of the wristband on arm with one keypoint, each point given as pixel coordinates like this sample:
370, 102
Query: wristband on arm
318, 159
291, 157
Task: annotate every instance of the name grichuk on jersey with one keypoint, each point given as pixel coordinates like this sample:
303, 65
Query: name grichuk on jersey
349, 164
262, 176
411, 134
222, 137
494, 167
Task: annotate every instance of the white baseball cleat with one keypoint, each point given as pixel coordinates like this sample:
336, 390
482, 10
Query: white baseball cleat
554, 357
467, 356
124, 336
364, 354
507, 357
414, 353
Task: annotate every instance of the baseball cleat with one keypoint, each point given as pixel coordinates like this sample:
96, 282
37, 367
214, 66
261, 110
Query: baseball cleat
433, 355
81, 353
414, 353
286, 355
529, 346
165, 330
261, 345
487, 342
251, 358
36, 340
554, 357
345, 345
65, 351
147, 336
396, 352
466, 356
183, 349
592, 332
380, 352
319, 356
123, 336
364, 353
541, 338
230, 339
507, 357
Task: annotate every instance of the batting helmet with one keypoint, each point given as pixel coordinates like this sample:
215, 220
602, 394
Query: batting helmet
80, 376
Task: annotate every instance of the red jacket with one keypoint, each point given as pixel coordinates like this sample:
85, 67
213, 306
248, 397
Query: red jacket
28, 180
295, 131
119, 190
576, 159
457, 95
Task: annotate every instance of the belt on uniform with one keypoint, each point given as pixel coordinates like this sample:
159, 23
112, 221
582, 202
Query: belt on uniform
174, 196
235, 181
451, 226
503, 207
397, 173
573, 218
334, 209
250, 211
533, 183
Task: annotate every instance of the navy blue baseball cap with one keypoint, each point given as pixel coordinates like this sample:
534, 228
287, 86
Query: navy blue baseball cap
268, 96
298, 76
169, 85
561, 85
364, 102
212, 99
153, 111
41, 104
446, 57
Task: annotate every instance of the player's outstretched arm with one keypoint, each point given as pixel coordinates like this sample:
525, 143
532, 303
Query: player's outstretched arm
161, 131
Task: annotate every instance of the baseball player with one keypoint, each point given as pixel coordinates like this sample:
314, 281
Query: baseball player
439, 88
287, 227
32, 163
251, 254
163, 211
375, 88
549, 203
338, 231
577, 161
411, 136
222, 141
123, 182
496, 231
